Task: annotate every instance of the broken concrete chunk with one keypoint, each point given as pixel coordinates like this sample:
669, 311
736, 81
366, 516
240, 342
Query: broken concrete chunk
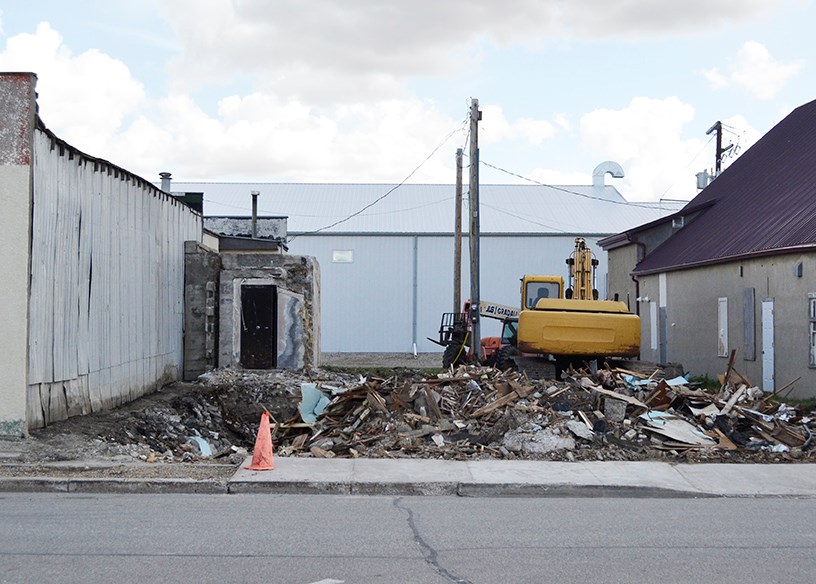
580, 429
543, 441
614, 410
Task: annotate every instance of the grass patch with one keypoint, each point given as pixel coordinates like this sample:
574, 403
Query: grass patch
706, 382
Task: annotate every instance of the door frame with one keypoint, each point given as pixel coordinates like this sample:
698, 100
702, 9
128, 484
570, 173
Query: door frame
237, 284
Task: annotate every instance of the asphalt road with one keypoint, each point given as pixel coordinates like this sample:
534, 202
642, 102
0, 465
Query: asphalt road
333, 539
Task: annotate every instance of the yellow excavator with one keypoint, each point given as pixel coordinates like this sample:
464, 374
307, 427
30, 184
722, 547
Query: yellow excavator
558, 327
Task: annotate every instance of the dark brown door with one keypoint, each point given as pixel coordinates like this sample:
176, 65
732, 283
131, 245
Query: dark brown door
259, 304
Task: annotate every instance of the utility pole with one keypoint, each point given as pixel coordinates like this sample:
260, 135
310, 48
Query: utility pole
473, 235
457, 238
717, 127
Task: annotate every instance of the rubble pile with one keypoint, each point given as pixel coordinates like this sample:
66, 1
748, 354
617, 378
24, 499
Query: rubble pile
473, 412
186, 428
467, 413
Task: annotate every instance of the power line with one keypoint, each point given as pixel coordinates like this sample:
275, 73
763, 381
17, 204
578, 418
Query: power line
696, 156
391, 190
563, 190
522, 218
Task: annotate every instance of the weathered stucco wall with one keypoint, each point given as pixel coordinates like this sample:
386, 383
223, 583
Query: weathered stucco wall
622, 261
265, 227
692, 331
298, 305
17, 120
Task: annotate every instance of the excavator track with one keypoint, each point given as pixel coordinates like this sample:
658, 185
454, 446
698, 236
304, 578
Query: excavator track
508, 357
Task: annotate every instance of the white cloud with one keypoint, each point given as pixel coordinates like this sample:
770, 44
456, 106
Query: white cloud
258, 137
754, 70
645, 138
87, 96
562, 121
495, 128
329, 50
91, 101
738, 134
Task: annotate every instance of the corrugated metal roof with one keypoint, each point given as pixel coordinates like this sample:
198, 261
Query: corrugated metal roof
764, 203
429, 208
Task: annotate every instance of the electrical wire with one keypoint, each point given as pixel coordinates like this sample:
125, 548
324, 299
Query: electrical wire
696, 156
564, 190
392, 189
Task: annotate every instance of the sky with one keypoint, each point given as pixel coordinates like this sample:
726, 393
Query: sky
379, 91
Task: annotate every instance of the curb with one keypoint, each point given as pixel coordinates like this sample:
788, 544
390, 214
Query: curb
125, 486
365, 488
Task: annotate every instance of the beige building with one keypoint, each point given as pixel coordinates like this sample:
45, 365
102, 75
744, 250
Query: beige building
735, 269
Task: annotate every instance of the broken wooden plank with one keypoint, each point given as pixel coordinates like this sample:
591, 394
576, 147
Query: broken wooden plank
433, 408
623, 397
502, 401
729, 405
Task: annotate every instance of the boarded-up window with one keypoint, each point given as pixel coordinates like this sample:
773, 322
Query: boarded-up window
812, 329
722, 327
749, 324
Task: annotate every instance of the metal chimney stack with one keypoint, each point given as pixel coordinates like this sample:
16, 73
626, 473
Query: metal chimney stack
255, 214
165, 181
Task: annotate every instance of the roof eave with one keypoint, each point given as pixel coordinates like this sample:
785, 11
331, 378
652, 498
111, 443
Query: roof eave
726, 259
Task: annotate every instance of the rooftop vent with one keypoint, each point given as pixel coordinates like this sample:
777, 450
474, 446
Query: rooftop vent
604, 168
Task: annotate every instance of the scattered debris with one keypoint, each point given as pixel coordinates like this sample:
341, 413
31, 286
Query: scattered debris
466, 413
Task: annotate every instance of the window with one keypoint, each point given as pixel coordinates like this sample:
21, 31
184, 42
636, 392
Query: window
342, 256
812, 329
722, 327
538, 290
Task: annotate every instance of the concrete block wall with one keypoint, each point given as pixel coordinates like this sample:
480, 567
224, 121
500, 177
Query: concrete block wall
202, 269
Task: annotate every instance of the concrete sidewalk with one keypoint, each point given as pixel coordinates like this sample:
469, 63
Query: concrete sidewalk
527, 478
468, 479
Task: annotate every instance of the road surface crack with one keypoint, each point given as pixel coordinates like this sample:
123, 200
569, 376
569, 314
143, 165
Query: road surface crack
430, 554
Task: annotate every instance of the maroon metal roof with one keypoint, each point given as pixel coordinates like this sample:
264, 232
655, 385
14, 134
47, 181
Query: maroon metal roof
763, 204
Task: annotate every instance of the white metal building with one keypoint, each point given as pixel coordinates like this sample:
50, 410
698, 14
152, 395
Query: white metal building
386, 251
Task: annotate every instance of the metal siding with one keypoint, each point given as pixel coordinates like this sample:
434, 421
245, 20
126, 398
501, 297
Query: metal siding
435, 286
107, 267
429, 208
365, 305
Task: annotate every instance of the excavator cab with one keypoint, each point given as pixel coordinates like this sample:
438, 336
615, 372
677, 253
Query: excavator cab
535, 288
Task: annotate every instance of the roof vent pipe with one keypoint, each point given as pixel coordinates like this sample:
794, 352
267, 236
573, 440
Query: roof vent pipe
165, 181
604, 168
255, 214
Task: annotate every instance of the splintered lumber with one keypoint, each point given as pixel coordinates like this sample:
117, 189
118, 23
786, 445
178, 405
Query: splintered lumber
731, 402
632, 373
433, 408
623, 397
502, 401
780, 390
723, 440
728, 370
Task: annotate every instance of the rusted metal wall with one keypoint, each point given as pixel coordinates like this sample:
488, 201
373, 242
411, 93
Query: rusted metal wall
107, 284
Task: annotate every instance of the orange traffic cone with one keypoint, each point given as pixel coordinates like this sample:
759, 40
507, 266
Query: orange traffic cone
262, 458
